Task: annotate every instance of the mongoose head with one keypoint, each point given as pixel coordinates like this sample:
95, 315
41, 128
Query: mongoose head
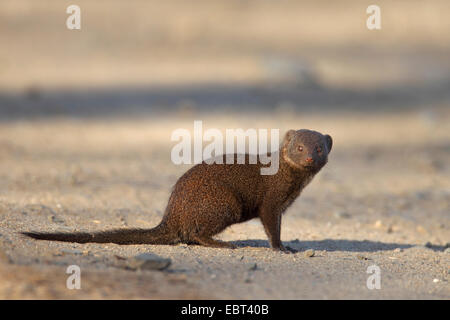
306, 149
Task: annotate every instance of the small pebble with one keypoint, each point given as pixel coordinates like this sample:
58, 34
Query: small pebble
436, 280
71, 251
4, 257
361, 257
310, 253
378, 224
421, 229
342, 215
55, 219
177, 278
148, 261
398, 250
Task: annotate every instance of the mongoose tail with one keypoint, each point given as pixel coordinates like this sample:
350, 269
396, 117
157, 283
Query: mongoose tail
157, 235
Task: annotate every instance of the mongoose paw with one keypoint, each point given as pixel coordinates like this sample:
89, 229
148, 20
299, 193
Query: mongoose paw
286, 249
291, 250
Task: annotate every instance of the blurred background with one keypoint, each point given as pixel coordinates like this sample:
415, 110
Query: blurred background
86, 115
137, 70
136, 57
94, 103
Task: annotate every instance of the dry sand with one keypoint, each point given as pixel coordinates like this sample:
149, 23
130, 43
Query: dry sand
380, 199
86, 119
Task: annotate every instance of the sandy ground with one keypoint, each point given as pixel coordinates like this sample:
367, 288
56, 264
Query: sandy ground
86, 119
380, 199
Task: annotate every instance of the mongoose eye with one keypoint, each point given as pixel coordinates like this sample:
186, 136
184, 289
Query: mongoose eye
319, 149
300, 148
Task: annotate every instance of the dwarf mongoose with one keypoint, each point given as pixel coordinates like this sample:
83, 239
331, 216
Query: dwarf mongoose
210, 197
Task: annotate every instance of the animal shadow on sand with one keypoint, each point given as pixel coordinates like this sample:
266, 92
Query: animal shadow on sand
333, 245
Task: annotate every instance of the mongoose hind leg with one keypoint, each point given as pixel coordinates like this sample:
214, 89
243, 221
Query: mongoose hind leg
210, 242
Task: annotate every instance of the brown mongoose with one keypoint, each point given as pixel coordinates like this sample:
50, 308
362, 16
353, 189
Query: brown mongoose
210, 197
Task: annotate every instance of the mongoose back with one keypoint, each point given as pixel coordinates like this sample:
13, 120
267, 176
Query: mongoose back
210, 197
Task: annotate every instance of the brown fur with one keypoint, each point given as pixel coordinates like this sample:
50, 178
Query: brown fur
209, 198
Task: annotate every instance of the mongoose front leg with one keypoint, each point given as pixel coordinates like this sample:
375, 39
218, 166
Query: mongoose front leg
272, 225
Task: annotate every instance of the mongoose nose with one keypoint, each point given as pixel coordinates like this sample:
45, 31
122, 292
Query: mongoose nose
309, 159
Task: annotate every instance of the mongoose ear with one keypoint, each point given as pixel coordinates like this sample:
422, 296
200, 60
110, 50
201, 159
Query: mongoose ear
289, 135
329, 142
